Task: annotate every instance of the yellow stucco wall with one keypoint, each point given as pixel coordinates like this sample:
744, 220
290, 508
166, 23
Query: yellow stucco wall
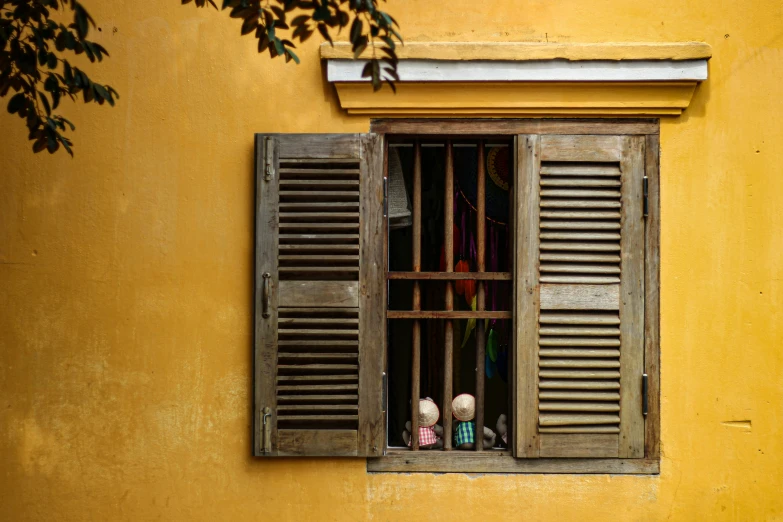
125, 281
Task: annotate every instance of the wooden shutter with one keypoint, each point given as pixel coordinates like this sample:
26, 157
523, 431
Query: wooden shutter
319, 295
580, 296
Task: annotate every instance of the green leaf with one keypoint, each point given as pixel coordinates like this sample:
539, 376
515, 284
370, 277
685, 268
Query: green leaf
16, 102
45, 103
356, 29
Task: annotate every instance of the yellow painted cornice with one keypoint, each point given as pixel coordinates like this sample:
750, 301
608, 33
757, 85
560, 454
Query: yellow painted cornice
529, 51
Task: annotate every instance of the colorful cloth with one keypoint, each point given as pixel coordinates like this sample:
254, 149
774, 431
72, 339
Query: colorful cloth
427, 436
466, 433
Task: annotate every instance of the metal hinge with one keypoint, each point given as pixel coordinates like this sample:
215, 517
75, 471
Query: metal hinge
266, 443
269, 158
644, 394
644, 191
385, 197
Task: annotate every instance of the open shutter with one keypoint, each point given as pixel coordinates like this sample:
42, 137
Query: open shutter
580, 296
319, 295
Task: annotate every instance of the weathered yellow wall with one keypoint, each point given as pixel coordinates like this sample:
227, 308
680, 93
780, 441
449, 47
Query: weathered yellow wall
125, 281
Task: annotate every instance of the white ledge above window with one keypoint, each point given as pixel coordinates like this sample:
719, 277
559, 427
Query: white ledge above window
524, 79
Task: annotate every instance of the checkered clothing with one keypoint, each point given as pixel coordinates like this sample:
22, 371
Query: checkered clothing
466, 433
427, 436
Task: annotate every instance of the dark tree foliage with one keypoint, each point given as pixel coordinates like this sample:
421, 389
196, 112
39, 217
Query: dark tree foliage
268, 19
34, 68
36, 40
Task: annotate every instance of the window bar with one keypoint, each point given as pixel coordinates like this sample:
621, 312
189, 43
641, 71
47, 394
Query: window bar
480, 266
448, 349
416, 346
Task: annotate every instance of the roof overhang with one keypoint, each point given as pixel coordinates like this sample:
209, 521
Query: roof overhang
524, 79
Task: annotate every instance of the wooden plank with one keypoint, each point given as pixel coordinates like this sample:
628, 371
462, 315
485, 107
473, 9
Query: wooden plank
577, 318
579, 258
314, 443
317, 217
578, 279
578, 396
578, 331
437, 314
491, 462
574, 341
265, 329
319, 293
596, 445
448, 337
329, 147
581, 236
571, 419
652, 300
581, 170
576, 352
579, 385
565, 203
579, 183
579, 214
596, 407
526, 295
578, 363
581, 247
300, 408
581, 429
415, 126
571, 193
579, 374
372, 298
317, 388
450, 276
315, 399
581, 148
576, 225
632, 302
480, 297
288, 379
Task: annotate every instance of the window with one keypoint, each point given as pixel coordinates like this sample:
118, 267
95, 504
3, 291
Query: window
571, 277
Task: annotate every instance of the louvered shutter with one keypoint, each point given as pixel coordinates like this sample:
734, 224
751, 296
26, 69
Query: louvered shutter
580, 296
319, 295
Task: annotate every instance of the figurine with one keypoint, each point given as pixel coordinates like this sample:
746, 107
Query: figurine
430, 434
464, 409
502, 428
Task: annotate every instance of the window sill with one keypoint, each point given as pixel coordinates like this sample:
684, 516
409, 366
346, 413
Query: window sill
502, 462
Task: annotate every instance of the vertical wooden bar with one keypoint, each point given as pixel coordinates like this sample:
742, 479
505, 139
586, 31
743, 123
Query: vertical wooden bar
480, 266
448, 351
416, 345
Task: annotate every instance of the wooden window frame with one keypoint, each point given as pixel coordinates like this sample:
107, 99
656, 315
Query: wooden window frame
396, 460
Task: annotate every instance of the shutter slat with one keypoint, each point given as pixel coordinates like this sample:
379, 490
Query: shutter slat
553, 182
566, 193
580, 225
578, 374
578, 363
582, 429
571, 419
577, 318
579, 258
579, 385
579, 214
573, 341
578, 396
564, 352
577, 268
586, 407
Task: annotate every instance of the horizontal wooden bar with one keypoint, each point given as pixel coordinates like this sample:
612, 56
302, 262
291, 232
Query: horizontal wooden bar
493, 462
457, 314
450, 276
414, 126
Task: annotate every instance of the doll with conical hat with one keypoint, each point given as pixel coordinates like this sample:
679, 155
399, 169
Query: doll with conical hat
430, 434
463, 408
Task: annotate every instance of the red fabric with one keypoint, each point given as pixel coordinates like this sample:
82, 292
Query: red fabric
427, 436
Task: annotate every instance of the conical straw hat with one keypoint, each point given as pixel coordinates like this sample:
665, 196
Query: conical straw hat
464, 407
428, 413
